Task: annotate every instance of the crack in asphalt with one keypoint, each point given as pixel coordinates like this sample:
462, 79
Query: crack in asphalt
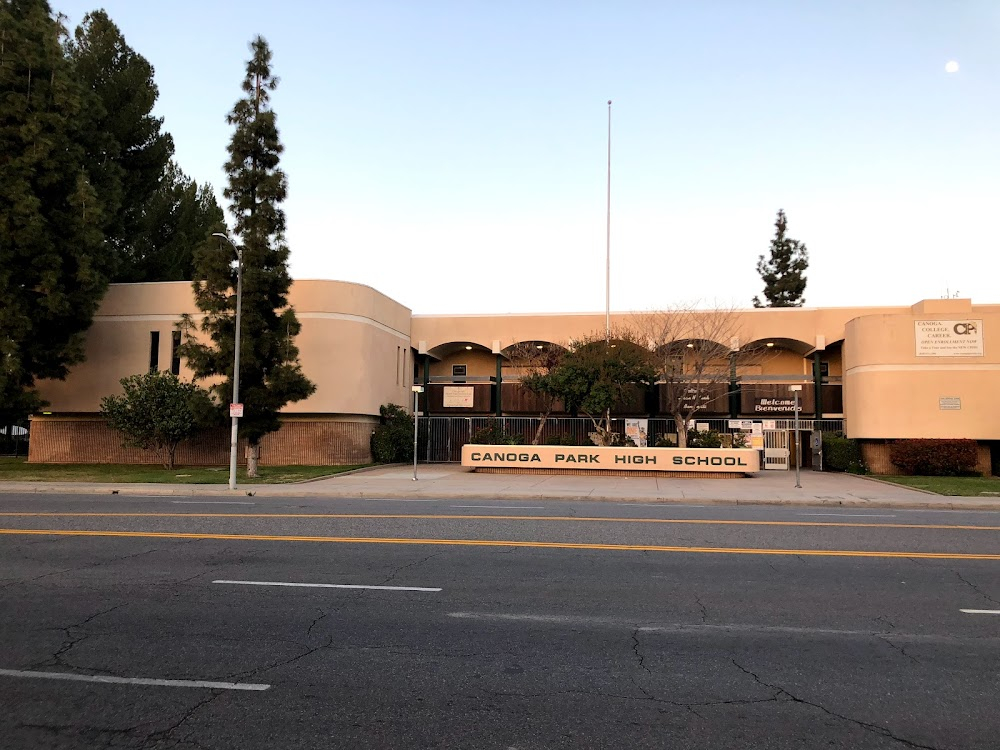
883, 731
315, 622
900, 649
647, 695
886, 620
309, 650
72, 640
701, 606
638, 654
974, 587
164, 734
15, 582
415, 564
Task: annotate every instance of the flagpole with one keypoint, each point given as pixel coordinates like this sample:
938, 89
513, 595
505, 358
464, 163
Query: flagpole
607, 269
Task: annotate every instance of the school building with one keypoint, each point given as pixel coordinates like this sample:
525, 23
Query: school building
931, 370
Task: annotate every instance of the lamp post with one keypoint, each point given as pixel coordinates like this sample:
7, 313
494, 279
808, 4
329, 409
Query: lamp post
234, 409
798, 457
417, 390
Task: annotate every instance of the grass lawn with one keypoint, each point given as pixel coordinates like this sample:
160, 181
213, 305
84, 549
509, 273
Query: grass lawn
960, 486
19, 470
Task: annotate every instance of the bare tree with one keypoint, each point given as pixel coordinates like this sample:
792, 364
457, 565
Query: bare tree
695, 354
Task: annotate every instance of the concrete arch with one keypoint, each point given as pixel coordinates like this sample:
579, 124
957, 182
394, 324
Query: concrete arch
450, 348
779, 343
527, 345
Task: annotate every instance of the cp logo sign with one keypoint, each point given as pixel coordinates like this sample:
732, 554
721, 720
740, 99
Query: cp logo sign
964, 329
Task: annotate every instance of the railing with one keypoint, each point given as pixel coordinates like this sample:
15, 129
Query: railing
441, 438
13, 440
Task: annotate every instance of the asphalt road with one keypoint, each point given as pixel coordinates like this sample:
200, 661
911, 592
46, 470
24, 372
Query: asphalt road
494, 625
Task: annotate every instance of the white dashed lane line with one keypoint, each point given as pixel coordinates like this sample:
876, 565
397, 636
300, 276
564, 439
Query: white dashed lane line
132, 680
211, 502
328, 586
503, 507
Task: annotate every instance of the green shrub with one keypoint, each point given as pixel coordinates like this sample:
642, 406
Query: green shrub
564, 439
842, 454
158, 411
936, 458
666, 441
493, 434
741, 439
705, 439
392, 441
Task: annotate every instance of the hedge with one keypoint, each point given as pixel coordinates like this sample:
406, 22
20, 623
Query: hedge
392, 440
842, 454
936, 458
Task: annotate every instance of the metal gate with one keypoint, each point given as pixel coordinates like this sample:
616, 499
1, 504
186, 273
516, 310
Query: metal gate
776, 451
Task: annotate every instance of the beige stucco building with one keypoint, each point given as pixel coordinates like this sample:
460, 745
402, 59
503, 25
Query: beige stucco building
930, 370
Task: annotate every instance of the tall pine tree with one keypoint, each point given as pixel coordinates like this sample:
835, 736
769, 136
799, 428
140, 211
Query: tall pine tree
128, 153
783, 272
177, 218
270, 374
53, 265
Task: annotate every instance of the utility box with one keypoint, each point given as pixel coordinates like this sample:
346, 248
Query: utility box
816, 443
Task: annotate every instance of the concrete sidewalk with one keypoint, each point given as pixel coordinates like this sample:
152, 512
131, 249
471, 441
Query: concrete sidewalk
448, 481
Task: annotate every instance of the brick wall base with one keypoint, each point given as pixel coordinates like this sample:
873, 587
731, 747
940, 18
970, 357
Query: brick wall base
876, 455
301, 441
617, 473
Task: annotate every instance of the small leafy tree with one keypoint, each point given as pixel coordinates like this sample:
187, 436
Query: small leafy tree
157, 411
596, 373
392, 441
537, 362
783, 272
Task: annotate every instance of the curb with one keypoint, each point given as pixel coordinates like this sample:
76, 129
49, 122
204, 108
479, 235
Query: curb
124, 491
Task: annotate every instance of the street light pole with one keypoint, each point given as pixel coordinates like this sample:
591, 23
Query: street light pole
798, 455
417, 390
236, 359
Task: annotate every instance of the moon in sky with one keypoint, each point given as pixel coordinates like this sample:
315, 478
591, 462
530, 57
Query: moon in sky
951, 66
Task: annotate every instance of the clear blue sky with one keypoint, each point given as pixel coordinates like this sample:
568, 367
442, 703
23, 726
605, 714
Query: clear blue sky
452, 154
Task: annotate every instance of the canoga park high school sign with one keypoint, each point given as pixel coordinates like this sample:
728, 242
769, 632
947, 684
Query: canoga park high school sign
529, 457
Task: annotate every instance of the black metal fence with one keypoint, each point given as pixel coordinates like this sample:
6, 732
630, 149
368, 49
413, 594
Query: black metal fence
13, 440
441, 438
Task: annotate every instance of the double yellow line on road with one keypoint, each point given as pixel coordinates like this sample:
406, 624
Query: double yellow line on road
499, 543
460, 517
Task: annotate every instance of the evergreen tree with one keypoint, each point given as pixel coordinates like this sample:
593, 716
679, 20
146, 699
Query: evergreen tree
270, 375
127, 152
178, 217
783, 273
53, 268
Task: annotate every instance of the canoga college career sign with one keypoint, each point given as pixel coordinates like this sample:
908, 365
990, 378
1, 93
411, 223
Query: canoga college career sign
731, 460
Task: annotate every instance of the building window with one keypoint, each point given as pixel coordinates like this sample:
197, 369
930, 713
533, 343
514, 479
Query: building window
398, 368
175, 356
459, 373
154, 351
